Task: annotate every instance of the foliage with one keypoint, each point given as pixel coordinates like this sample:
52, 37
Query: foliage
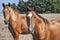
21, 6
14, 6
41, 6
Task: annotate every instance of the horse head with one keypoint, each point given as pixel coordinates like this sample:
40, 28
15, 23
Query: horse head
30, 19
8, 12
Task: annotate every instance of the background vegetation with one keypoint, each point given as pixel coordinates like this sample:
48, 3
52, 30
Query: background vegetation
41, 6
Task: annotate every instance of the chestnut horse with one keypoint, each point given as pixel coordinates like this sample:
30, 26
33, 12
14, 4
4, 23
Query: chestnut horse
17, 22
44, 29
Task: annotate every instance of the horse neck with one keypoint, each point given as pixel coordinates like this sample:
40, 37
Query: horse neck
13, 15
36, 16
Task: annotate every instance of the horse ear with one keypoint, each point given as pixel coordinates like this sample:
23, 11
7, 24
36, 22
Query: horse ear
3, 4
9, 4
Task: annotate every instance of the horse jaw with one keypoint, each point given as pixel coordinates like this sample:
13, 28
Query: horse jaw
30, 14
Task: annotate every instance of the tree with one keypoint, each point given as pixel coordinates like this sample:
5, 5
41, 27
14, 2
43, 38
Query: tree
22, 6
40, 5
14, 6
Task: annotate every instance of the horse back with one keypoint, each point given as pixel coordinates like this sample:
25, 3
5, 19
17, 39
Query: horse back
55, 30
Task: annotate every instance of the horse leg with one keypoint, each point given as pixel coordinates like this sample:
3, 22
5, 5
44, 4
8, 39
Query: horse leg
17, 36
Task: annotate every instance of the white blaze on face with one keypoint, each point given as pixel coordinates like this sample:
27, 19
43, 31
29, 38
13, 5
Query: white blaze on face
30, 14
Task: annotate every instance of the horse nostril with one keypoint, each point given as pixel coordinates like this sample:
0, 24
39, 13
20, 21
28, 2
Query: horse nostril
5, 21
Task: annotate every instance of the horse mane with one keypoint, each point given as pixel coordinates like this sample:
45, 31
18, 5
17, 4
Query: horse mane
45, 20
16, 11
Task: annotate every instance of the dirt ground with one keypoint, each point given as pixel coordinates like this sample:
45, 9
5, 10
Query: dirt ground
6, 35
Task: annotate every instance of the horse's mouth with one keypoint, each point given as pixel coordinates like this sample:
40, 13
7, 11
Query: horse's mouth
6, 22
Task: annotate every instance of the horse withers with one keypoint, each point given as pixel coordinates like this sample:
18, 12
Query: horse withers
17, 22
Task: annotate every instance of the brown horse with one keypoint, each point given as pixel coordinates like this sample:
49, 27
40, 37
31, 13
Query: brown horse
43, 29
17, 22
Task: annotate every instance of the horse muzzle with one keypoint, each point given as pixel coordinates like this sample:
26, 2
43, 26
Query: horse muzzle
6, 21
